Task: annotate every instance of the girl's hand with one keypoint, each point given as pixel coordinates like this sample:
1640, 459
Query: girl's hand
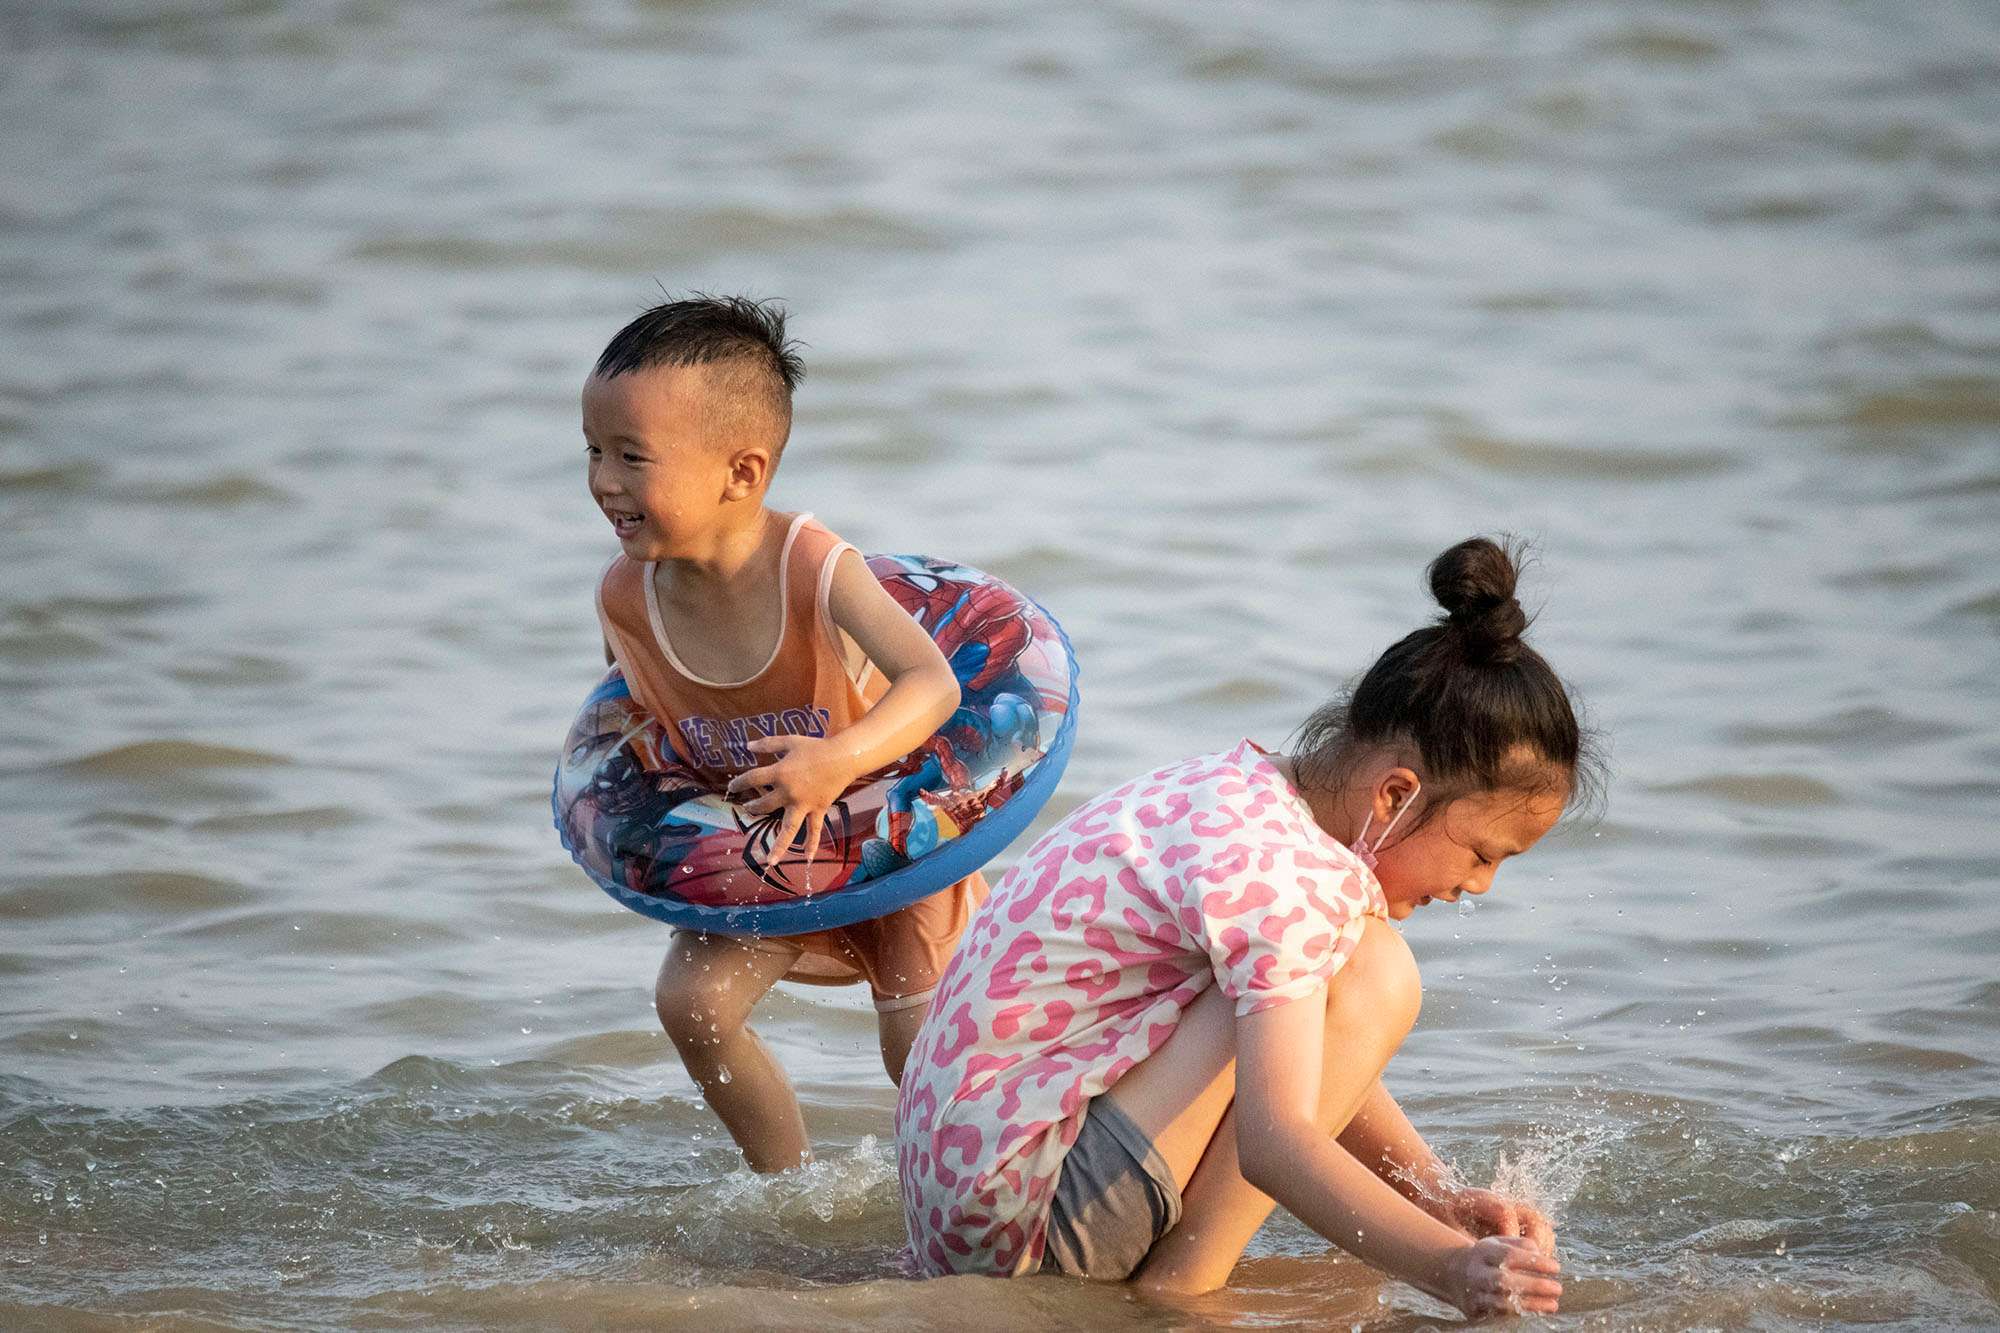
1481, 1213
1504, 1275
807, 777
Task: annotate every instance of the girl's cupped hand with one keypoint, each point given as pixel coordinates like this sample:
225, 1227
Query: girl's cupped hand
1505, 1275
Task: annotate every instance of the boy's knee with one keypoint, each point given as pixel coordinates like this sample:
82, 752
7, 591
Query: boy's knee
694, 1008
1380, 979
897, 1030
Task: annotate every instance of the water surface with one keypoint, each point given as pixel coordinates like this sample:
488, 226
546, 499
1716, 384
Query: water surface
1208, 328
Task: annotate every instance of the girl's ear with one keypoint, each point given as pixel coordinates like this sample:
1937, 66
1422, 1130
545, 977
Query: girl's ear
749, 469
1394, 791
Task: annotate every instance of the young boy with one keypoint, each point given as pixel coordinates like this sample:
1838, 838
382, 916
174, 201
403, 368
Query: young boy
720, 610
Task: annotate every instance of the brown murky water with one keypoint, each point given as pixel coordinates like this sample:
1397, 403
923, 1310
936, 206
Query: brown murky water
1206, 326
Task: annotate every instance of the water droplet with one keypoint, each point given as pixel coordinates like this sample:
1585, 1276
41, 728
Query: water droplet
722, 1074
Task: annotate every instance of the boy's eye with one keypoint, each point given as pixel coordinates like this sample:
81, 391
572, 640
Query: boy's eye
635, 458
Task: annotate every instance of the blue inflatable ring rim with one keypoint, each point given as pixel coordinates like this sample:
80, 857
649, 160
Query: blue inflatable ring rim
947, 865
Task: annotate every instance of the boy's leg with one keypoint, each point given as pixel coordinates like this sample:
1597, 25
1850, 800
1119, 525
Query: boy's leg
905, 953
897, 1029
708, 985
1366, 1020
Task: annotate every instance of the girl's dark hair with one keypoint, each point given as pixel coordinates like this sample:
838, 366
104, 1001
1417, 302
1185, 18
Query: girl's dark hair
1466, 693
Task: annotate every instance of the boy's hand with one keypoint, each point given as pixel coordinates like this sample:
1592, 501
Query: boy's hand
1480, 1213
1504, 1275
807, 777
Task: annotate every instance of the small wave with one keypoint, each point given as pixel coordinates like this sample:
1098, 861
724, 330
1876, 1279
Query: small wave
639, 240
428, 1013
222, 492
1736, 1235
144, 893
1897, 575
237, 669
1771, 790
1776, 208
1656, 45
1584, 462
166, 759
630, 1049
1947, 401
70, 477
50, 645
1796, 845
1234, 692
316, 819
1533, 301
1986, 606
52, 609
1480, 141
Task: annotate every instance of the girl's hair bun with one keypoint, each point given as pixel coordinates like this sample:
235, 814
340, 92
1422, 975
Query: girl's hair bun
1474, 583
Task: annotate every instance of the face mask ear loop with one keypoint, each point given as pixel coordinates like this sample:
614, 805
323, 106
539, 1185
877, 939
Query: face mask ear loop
1361, 847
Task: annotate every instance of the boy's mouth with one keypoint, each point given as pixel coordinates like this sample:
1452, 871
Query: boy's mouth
624, 523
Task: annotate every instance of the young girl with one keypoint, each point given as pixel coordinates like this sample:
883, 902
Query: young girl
1177, 1007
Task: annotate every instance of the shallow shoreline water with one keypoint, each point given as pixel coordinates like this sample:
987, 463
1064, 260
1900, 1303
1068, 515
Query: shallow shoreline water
1206, 329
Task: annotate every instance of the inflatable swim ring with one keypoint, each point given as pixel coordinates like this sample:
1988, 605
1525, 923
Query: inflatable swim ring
651, 835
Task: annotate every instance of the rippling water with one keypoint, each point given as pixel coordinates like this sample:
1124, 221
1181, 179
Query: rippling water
1207, 326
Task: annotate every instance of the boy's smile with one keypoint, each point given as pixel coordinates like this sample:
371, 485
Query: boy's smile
654, 470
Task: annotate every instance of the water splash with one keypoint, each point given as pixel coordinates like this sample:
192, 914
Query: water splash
840, 1187
1550, 1163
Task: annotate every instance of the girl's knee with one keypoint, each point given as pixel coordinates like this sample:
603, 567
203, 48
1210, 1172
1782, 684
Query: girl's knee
1379, 982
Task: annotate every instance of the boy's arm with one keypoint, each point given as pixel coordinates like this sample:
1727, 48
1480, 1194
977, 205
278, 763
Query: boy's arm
807, 774
1382, 1138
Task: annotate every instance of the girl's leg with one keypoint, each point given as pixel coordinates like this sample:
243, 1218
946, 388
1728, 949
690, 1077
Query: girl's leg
1369, 1010
897, 1029
708, 985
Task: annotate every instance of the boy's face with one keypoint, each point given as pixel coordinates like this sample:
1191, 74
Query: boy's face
656, 467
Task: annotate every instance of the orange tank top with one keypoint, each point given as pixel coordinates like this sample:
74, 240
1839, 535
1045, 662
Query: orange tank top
804, 689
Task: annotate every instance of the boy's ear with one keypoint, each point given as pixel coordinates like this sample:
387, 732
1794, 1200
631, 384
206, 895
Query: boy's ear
749, 470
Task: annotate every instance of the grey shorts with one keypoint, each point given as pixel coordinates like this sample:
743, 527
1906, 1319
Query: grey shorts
1114, 1199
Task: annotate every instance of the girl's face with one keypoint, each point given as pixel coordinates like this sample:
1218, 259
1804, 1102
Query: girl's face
1459, 848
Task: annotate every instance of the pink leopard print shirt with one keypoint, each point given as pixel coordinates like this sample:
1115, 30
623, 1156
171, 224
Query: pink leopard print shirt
1208, 872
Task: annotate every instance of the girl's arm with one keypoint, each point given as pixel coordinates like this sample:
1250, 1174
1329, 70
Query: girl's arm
808, 774
1283, 1152
1383, 1138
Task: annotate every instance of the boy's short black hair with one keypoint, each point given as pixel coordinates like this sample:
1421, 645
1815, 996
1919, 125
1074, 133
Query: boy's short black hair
702, 330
